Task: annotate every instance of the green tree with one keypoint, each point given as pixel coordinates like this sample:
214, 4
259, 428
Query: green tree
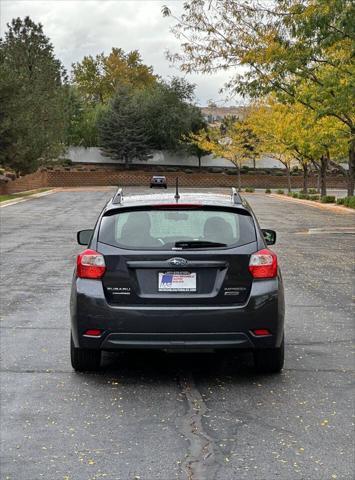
82, 120
301, 50
169, 114
33, 115
193, 146
122, 129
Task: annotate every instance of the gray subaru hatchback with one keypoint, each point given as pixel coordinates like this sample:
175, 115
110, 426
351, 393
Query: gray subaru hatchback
186, 271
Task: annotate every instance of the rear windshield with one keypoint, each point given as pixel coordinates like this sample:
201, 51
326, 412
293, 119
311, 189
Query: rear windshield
162, 229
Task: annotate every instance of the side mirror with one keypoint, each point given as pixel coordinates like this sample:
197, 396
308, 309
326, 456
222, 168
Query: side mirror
269, 235
84, 236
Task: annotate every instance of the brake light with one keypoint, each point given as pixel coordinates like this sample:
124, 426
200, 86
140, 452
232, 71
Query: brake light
90, 264
263, 264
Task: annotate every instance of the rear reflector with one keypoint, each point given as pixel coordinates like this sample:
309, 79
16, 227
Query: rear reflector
90, 264
261, 332
263, 264
94, 332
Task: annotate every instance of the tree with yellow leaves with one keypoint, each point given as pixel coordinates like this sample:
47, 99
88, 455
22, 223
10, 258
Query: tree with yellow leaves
293, 132
233, 140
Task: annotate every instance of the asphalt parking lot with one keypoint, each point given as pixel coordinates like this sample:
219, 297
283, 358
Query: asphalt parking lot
157, 416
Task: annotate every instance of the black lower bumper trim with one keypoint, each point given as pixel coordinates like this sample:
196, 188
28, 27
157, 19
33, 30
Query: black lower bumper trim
178, 340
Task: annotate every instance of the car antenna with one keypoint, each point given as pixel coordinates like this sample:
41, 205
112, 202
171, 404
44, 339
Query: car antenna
177, 196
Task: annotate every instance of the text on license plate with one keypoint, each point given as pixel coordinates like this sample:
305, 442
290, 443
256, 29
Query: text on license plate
177, 282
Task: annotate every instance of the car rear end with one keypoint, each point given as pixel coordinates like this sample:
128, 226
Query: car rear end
177, 276
158, 181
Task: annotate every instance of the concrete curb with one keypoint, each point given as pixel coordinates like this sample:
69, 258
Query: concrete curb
8, 203
310, 203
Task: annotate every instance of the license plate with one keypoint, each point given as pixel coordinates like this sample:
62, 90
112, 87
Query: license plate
177, 282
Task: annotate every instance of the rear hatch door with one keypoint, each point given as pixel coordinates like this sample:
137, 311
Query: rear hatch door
193, 256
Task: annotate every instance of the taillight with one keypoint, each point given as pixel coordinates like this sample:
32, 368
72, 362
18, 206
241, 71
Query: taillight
263, 264
90, 264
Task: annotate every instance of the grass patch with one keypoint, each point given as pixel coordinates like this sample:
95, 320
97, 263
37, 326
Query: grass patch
347, 201
268, 190
13, 196
328, 199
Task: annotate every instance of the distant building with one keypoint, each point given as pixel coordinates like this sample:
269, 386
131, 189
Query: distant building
214, 114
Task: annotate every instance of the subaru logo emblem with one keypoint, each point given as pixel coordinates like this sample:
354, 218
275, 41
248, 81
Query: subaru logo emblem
178, 262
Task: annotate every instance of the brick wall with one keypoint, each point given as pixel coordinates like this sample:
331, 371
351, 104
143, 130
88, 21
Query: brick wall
28, 182
66, 178
132, 177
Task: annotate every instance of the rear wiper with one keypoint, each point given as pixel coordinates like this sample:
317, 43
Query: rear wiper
198, 244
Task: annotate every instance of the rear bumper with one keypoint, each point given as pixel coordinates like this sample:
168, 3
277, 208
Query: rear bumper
183, 327
187, 341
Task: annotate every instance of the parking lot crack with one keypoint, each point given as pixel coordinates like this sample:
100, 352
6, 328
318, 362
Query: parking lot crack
200, 463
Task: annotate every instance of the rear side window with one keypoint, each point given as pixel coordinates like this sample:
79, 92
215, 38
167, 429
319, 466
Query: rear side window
161, 229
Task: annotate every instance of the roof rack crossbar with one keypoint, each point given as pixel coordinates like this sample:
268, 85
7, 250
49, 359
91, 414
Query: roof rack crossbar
235, 196
118, 196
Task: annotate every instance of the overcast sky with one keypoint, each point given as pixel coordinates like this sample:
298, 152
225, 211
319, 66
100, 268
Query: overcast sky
87, 27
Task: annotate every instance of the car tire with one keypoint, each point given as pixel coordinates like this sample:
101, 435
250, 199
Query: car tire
270, 360
84, 359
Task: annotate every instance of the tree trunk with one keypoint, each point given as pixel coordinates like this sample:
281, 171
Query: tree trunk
288, 173
199, 161
239, 179
305, 178
254, 165
351, 173
323, 174
318, 180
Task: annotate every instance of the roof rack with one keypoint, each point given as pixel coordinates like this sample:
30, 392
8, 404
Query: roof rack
118, 196
235, 196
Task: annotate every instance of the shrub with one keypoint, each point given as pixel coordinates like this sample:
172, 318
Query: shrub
278, 174
188, 170
295, 195
255, 172
314, 197
328, 199
303, 196
245, 168
340, 201
312, 191
231, 172
280, 192
250, 190
268, 190
289, 194
349, 202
